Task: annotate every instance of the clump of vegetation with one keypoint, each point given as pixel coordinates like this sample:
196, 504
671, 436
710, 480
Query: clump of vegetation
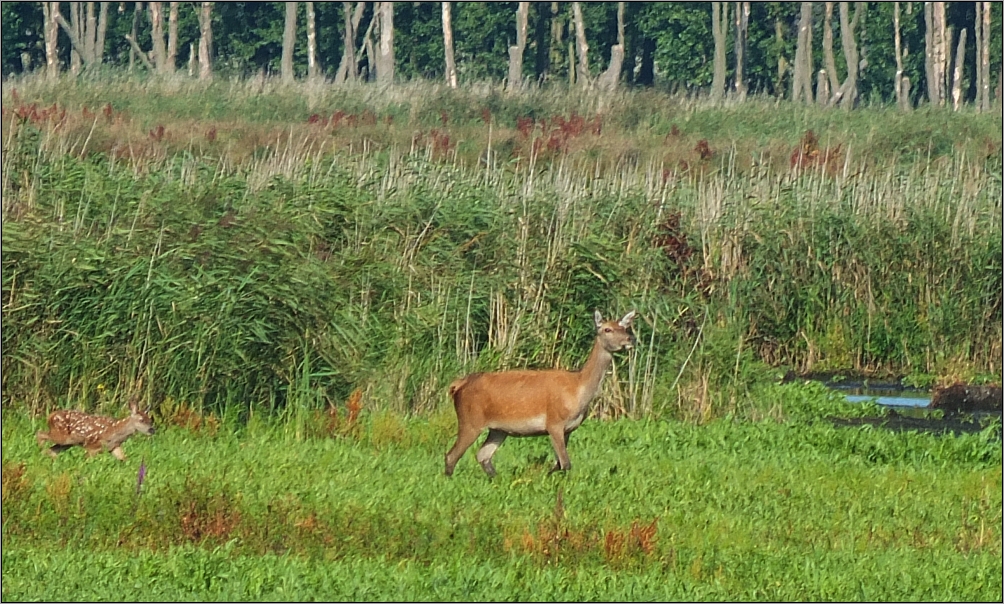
241, 276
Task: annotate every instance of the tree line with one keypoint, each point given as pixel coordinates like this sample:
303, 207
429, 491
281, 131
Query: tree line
831, 53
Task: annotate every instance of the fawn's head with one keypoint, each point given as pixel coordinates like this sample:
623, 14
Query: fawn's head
615, 335
140, 419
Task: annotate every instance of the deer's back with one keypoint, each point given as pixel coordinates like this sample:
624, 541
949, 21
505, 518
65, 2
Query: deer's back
516, 395
76, 428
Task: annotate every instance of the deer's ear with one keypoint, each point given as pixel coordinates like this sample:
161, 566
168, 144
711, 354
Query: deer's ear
626, 321
597, 318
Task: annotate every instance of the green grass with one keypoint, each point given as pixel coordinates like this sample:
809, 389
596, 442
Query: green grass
791, 510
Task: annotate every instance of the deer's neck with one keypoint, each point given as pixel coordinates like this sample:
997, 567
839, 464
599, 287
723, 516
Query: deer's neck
592, 372
117, 433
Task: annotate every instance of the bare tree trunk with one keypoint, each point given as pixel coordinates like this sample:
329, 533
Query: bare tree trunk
978, 30
516, 52
136, 14
385, 60
782, 61
157, 31
51, 32
99, 42
802, 78
960, 56
557, 46
719, 17
934, 42
172, 37
348, 68
313, 69
742, 27
609, 79
828, 60
86, 34
983, 63
288, 41
898, 79
451, 64
582, 48
90, 31
849, 89
822, 88
75, 33
205, 41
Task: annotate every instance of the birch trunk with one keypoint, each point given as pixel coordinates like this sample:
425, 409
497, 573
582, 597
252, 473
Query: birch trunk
849, 89
802, 78
829, 62
50, 33
172, 37
582, 49
99, 42
934, 43
313, 69
136, 14
719, 17
960, 56
611, 77
385, 60
742, 28
157, 31
205, 41
984, 61
516, 52
90, 30
348, 68
898, 78
451, 65
288, 41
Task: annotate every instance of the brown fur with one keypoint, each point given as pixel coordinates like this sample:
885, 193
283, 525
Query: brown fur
532, 403
68, 428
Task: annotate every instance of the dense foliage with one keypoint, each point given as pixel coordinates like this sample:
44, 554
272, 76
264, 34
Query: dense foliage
667, 43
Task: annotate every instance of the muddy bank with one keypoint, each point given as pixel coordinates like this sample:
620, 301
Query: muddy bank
897, 422
962, 398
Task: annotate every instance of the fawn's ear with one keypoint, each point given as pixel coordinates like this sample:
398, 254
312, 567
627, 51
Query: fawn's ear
626, 321
597, 318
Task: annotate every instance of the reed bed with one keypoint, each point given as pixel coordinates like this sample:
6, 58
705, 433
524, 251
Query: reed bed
249, 271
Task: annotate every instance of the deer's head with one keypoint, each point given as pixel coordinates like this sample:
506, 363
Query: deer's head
615, 335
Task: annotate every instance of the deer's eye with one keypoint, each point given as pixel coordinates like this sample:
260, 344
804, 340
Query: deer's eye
607, 329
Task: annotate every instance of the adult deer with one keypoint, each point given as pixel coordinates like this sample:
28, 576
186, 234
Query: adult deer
68, 428
533, 403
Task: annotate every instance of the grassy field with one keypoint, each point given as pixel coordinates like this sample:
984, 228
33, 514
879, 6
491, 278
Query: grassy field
295, 274
783, 509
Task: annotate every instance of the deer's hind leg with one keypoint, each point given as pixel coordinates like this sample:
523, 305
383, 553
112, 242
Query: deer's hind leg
465, 438
495, 438
55, 450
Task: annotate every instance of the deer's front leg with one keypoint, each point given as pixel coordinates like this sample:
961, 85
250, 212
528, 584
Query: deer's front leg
119, 453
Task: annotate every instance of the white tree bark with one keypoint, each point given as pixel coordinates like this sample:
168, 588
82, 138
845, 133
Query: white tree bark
516, 52
313, 69
719, 17
451, 64
582, 48
801, 83
960, 56
205, 41
742, 27
51, 32
385, 60
288, 42
348, 69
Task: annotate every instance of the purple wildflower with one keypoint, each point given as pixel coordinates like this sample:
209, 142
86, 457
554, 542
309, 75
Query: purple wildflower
140, 476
